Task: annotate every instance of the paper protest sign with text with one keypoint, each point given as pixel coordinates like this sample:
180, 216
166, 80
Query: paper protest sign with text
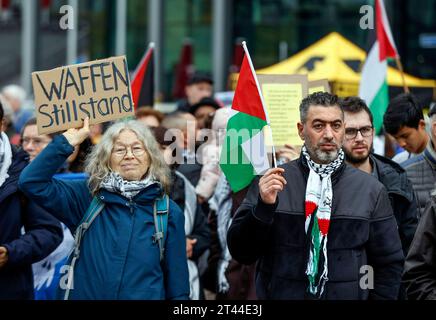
282, 95
65, 96
319, 85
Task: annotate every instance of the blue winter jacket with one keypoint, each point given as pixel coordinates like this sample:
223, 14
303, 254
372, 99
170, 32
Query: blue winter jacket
118, 259
43, 233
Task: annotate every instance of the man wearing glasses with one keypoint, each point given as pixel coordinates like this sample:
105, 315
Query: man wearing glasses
358, 142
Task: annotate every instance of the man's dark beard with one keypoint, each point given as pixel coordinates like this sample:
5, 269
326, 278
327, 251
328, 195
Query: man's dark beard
353, 160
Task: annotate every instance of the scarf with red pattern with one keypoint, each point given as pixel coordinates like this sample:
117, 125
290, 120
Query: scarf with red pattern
318, 205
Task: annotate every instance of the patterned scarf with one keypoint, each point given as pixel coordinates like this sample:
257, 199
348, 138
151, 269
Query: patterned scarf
5, 157
318, 205
113, 182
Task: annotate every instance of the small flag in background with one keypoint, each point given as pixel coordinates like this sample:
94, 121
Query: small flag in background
244, 153
373, 84
143, 80
184, 70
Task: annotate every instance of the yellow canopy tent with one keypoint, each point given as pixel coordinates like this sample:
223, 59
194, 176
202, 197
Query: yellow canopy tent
339, 60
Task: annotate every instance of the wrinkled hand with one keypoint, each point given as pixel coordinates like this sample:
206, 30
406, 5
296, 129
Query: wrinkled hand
190, 243
3, 256
288, 152
76, 136
271, 184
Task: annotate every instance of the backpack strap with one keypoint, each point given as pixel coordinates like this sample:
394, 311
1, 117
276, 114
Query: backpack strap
160, 215
91, 213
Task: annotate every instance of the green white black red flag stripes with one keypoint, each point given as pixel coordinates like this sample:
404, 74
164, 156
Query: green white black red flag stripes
373, 85
244, 153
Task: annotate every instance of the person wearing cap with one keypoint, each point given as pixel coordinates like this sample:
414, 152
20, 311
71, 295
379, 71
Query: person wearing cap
405, 121
199, 86
203, 110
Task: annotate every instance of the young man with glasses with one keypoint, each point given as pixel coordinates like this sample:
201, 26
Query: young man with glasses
358, 143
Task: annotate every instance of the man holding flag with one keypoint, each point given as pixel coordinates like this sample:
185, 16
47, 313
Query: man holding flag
284, 221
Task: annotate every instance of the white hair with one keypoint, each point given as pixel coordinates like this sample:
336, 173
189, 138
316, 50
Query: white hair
97, 162
16, 92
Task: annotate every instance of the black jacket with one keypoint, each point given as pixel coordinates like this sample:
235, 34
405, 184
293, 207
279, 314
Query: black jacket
43, 234
401, 195
200, 230
421, 171
363, 231
420, 267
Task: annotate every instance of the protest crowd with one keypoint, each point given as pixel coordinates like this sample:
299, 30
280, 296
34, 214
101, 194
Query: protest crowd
153, 205
220, 244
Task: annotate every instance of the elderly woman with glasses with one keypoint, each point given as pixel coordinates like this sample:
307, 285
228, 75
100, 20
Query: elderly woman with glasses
119, 255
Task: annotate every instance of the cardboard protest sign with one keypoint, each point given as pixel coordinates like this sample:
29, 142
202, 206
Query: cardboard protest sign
65, 96
319, 85
282, 95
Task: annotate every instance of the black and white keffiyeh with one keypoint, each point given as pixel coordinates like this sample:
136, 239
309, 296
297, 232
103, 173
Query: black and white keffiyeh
318, 207
113, 182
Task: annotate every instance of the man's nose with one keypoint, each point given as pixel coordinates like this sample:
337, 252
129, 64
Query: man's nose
328, 132
359, 136
402, 143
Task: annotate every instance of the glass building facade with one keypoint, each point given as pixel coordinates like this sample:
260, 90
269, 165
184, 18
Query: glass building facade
273, 29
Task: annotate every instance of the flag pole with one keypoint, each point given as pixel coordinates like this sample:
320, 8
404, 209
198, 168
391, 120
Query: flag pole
268, 123
403, 79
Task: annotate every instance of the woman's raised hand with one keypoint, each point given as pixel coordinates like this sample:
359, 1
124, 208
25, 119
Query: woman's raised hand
76, 136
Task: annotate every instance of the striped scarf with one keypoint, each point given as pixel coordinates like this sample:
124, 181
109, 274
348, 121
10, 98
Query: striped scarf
318, 206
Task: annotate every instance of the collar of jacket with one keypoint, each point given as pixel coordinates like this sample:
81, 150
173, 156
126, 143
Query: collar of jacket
302, 162
392, 176
144, 197
20, 159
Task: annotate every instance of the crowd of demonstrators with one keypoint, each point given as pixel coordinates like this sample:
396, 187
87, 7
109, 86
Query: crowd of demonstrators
220, 244
42, 233
405, 121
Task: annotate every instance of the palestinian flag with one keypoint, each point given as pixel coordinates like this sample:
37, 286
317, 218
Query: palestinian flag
143, 80
373, 84
244, 153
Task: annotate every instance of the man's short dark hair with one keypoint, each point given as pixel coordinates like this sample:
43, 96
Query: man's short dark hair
317, 99
1, 113
200, 77
403, 111
355, 105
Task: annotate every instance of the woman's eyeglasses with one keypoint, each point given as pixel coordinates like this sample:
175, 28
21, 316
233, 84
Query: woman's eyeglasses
121, 152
